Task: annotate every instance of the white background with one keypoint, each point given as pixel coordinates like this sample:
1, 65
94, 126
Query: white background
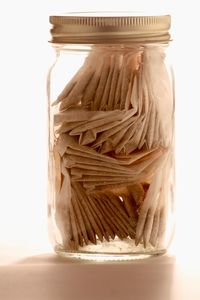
25, 57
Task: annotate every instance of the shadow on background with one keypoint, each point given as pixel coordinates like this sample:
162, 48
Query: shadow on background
53, 278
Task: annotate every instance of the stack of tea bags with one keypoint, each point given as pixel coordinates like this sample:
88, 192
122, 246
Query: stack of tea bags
113, 148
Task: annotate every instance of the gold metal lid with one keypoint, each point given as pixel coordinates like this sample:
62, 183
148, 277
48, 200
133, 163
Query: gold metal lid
99, 29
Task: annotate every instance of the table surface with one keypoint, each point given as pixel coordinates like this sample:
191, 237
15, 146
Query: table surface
46, 276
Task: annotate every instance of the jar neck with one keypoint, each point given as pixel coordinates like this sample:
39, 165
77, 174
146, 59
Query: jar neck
81, 48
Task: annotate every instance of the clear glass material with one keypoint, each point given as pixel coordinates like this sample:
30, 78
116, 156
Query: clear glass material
111, 151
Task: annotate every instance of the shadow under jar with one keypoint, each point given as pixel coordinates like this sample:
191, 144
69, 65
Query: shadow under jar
111, 137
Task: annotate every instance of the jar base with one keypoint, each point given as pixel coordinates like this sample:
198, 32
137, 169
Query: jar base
100, 257
116, 250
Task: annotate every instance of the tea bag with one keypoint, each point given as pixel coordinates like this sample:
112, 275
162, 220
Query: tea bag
111, 144
117, 99
73, 92
102, 83
75, 228
116, 72
78, 115
84, 212
110, 118
125, 224
128, 119
129, 138
75, 95
137, 192
85, 204
164, 201
107, 231
120, 207
130, 66
159, 88
149, 205
105, 97
63, 199
66, 127
109, 215
89, 93
93, 164
149, 218
79, 216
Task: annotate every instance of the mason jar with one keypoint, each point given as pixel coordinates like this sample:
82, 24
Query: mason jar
111, 136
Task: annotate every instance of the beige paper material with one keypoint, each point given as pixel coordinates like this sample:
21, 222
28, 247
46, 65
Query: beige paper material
68, 126
115, 200
98, 218
159, 87
84, 213
86, 138
108, 217
62, 209
97, 123
116, 72
105, 97
78, 115
137, 192
102, 83
114, 215
128, 119
152, 205
77, 77
129, 68
119, 87
106, 228
149, 204
74, 225
89, 93
79, 217
84, 201
127, 104
75, 95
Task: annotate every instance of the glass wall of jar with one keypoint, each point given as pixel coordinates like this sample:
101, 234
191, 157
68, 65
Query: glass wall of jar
111, 137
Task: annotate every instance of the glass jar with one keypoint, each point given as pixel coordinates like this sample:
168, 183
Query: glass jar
111, 136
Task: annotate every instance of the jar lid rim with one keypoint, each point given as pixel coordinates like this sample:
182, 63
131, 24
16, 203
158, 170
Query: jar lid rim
105, 28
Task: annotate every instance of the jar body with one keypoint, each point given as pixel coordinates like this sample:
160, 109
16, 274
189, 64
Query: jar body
111, 151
